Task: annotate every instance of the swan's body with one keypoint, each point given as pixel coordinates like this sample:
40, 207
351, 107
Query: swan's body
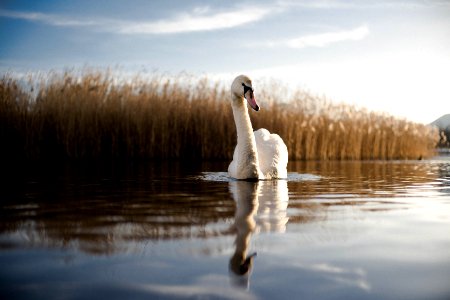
258, 155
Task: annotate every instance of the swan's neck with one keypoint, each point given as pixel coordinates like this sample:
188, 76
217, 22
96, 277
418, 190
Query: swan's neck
245, 138
243, 125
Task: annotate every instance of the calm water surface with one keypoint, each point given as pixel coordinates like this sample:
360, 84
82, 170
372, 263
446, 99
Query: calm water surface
332, 230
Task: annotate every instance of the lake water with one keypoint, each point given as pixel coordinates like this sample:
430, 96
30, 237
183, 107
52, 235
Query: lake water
332, 230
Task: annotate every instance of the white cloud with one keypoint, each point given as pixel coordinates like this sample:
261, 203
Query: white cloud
324, 39
318, 40
345, 4
51, 19
200, 19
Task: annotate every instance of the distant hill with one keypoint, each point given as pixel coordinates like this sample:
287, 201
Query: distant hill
443, 122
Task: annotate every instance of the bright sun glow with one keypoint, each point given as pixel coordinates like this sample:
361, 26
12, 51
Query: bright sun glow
407, 85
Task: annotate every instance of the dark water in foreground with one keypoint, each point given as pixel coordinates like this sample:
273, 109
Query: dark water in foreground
333, 230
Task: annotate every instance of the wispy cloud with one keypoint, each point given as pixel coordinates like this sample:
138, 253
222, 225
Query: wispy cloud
200, 19
50, 19
321, 39
346, 4
324, 39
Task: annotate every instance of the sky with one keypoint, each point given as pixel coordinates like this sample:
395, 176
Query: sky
387, 56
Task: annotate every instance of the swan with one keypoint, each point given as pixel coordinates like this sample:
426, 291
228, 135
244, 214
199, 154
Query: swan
259, 154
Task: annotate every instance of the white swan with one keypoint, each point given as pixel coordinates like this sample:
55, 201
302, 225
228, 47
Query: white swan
258, 155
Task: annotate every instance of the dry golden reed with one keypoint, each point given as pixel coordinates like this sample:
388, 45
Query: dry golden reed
94, 116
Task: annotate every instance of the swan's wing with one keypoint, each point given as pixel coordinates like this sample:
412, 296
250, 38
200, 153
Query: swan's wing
232, 171
272, 154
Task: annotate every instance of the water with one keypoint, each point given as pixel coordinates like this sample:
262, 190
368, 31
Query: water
332, 230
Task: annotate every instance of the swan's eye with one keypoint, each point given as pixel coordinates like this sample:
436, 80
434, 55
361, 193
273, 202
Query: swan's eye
246, 88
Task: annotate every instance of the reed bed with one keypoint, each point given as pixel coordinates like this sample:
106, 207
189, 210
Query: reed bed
96, 116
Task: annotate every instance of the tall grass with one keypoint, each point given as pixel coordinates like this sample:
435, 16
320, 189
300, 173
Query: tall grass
93, 116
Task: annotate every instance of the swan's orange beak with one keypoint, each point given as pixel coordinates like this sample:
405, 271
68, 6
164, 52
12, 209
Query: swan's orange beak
251, 100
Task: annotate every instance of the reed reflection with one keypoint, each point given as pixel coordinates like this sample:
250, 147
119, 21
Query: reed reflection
80, 209
260, 206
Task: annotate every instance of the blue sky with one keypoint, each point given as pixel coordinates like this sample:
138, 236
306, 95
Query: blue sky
391, 56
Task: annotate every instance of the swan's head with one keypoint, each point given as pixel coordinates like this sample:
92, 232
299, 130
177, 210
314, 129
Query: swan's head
242, 88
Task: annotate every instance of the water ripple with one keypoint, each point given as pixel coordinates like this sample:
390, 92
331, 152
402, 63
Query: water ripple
223, 177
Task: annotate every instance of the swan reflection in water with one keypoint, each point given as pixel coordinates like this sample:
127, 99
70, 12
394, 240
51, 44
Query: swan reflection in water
260, 206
